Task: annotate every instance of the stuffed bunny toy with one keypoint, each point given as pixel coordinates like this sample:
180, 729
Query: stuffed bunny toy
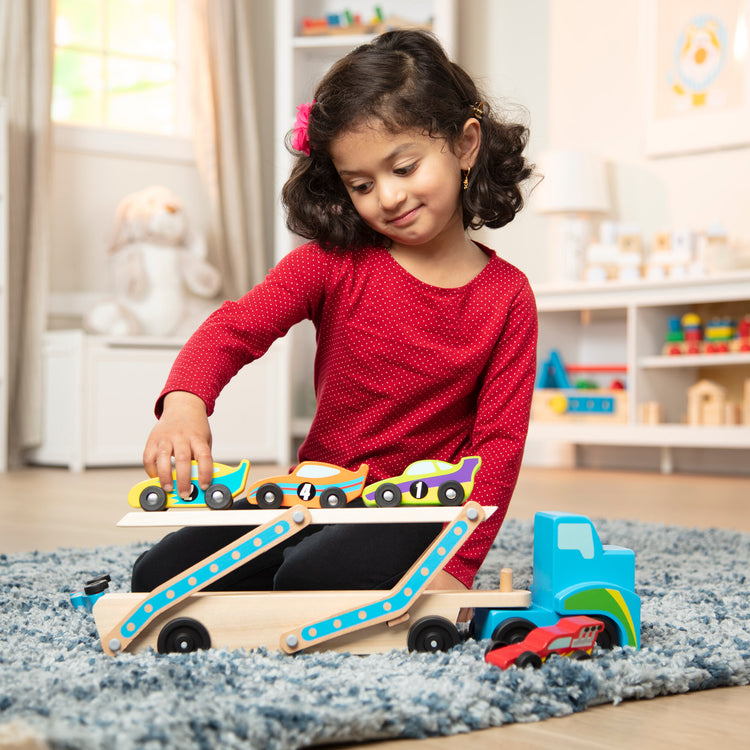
158, 269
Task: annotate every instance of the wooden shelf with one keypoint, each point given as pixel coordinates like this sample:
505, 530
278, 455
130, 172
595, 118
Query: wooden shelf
331, 41
695, 360
659, 435
688, 291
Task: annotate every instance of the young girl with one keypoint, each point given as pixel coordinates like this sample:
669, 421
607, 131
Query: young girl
426, 340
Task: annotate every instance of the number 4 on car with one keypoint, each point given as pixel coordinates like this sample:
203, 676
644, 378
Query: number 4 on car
316, 484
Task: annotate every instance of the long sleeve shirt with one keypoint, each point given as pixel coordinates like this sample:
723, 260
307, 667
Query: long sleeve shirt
403, 370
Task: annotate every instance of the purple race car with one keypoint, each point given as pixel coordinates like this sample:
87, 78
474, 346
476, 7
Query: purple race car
426, 483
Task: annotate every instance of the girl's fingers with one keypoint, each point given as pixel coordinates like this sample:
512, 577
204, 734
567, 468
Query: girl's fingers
202, 455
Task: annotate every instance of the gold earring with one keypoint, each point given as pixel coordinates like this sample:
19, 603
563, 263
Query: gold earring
466, 178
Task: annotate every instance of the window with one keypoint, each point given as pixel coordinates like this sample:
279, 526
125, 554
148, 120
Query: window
576, 536
120, 65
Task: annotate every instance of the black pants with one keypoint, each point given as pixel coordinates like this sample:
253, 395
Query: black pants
341, 557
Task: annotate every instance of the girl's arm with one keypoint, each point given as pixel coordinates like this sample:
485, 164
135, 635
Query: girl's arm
500, 428
234, 335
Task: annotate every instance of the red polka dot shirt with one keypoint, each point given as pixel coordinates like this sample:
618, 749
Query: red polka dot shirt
403, 370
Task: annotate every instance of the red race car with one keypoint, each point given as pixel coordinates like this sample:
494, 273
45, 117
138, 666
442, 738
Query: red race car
571, 636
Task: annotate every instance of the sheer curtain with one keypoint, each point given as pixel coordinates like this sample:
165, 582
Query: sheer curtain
226, 140
26, 85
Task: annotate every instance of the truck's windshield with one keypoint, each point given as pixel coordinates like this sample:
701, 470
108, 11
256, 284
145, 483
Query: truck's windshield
576, 536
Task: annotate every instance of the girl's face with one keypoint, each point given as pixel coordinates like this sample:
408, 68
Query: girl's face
405, 185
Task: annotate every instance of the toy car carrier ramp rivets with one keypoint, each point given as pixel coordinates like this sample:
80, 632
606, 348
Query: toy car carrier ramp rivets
203, 573
401, 597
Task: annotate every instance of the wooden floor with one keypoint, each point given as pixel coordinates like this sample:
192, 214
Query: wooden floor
49, 508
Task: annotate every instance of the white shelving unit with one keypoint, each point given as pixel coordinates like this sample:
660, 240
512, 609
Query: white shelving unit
4, 398
626, 324
300, 63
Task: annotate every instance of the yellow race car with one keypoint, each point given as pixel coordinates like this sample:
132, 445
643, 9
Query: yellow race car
227, 483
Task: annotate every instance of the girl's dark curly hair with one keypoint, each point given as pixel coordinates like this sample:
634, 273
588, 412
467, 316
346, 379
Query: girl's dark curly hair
404, 80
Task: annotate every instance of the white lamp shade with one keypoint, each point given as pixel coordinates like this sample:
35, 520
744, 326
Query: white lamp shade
573, 182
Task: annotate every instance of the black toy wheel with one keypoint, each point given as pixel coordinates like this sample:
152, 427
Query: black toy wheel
451, 493
529, 659
181, 636
388, 496
431, 634
580, 655
610, 636
333, 498
513, 630
218, 497
153, 498
270, 496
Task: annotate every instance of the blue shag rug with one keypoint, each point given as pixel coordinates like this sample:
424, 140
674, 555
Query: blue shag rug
57, 684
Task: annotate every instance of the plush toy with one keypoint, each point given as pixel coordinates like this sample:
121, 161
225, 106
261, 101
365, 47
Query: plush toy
160, 271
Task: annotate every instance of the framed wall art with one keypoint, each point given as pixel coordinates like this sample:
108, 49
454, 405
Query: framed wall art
697, 74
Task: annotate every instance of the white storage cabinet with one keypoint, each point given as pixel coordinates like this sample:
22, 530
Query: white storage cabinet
99, 394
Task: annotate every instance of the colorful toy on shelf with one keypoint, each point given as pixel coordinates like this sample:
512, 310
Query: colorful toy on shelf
718, 334
741, 342
574, 574
573, 637
335, 23
317, 484
557, 399
426, 483
346, 22
684, 335
226, 484
721, 334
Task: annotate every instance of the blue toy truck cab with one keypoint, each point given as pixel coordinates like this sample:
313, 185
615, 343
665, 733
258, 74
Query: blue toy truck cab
574, 574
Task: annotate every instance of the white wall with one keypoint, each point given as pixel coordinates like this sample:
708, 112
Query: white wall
574, 66
577, 66
503, 44
596, 95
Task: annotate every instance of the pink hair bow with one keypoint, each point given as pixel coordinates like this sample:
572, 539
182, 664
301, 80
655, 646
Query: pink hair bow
300, 140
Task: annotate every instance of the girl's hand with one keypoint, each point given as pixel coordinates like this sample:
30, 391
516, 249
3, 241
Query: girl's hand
182, 432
